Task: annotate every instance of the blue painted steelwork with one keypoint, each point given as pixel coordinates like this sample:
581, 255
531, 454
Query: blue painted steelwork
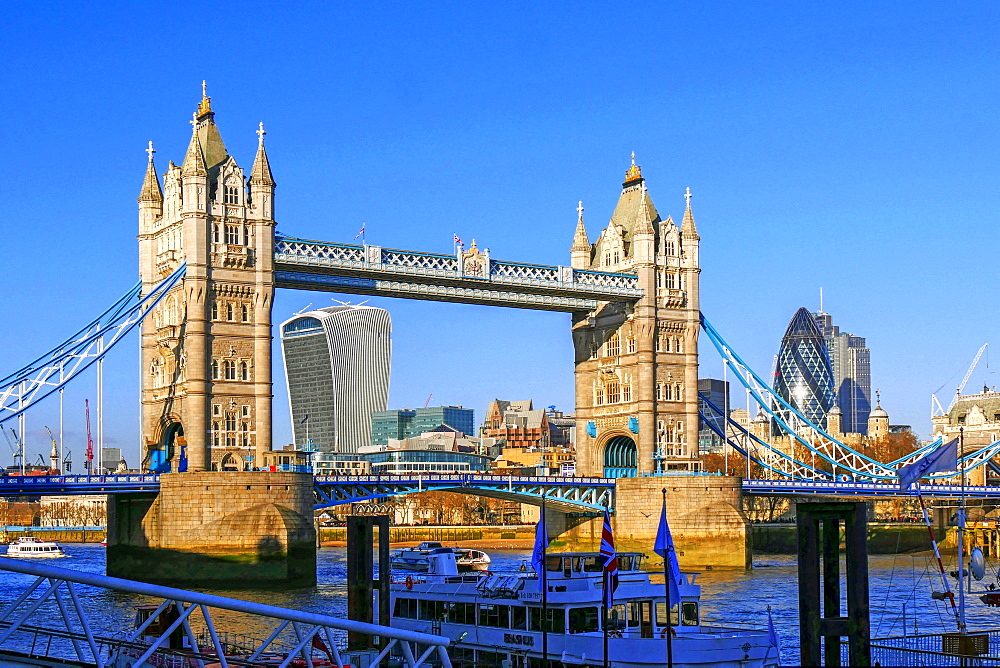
464, 278
873, 489
587, 495
621, 459
44, 485
53, 370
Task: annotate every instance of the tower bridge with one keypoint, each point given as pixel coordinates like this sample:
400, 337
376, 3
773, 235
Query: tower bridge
209, 264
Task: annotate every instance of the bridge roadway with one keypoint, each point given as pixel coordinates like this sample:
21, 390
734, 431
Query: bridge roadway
567, 494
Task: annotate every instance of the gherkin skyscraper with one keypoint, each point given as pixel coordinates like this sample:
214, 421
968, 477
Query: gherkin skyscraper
804, 375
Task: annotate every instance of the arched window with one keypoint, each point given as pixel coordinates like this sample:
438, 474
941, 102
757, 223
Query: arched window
671, 247
229, 311
229, 367
245, 313
614, 392
215, 369
627, 392
215, 310
215, 434
232, 234
246, 434
244, 371
613, 347
215, 233
232, 192
230, 421
678, 344
630, 344
617, 257
599, 396
671, 280
659, 391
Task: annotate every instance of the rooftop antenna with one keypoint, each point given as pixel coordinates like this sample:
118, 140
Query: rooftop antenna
821, 299
304, 309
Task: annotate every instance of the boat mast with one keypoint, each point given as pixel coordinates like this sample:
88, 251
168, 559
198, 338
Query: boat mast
961, 531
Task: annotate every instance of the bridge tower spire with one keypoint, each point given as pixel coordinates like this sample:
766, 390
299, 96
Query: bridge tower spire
637, 366
580, 251
206, 349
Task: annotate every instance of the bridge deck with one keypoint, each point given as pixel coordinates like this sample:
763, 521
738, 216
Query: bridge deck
372, 270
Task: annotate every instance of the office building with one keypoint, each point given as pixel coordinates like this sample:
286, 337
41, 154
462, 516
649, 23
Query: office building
407, 423
803, 376
717, 394
850, 360
337, 363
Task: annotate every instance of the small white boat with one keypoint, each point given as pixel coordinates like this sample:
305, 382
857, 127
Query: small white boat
30, 547
418, 558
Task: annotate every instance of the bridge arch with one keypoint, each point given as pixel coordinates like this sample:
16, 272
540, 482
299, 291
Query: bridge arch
170, 447
621, 456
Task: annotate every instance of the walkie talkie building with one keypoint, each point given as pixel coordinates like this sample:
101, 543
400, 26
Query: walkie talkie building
337, 363
804, 376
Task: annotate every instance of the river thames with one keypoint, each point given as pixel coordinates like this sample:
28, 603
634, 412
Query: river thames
896, 583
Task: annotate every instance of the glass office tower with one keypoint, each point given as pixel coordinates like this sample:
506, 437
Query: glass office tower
804, 376
337, 363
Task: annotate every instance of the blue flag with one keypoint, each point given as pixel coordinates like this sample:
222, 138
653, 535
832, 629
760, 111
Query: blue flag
305, 419
664, 546
538, 553
772, 633
941, 459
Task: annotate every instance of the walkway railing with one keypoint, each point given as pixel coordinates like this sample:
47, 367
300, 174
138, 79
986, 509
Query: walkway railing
296, 635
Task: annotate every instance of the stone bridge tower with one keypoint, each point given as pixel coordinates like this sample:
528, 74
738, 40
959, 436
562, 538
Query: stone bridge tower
637, 365
205, 350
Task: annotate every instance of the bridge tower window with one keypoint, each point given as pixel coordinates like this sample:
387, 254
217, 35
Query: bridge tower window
232, 194
630, 344
215, 233
233, 234
244, 372
229, 368
215, 310
613, 347
229, 311
245, 313
215, 369
215, 434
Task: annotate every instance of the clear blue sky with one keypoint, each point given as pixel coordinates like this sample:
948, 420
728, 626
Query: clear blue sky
851, 146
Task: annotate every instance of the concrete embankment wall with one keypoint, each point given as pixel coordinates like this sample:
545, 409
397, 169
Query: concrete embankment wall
882, 538
57, 535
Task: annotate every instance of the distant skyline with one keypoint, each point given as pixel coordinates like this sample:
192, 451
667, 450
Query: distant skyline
847, 146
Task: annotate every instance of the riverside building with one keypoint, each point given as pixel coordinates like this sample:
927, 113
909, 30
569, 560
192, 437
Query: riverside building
337, 362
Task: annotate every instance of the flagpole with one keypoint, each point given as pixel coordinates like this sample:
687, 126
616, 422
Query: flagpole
961, 530
545, 596
666, 587
604, 622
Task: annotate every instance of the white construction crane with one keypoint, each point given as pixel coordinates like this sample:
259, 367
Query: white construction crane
936, 407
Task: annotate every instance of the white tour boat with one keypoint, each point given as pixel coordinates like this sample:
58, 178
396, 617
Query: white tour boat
495, 620
34, 548
418, 558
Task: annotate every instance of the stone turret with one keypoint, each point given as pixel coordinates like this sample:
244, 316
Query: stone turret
581, 251
878, 420
150, 196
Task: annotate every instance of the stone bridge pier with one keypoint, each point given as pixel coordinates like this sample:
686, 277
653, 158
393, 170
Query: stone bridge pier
252, 529
709, 530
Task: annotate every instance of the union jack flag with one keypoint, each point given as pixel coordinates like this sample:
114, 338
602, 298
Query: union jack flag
457, 240
610, 561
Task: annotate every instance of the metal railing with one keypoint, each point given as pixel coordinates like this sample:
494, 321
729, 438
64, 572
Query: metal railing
296, 635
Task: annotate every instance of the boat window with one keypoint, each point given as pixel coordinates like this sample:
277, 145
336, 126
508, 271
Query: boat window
583, 620
592, 565
494, 615
637, 566
633, 615
553, 563
625, 563
557, 621
406, 607
689, 613
432, 610
616, 617
661, 616
462, 613
519, 617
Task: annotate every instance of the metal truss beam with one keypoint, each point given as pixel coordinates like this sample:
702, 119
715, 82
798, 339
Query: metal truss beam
43, 485
305, 264
27, 386
570, 495
869, 489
